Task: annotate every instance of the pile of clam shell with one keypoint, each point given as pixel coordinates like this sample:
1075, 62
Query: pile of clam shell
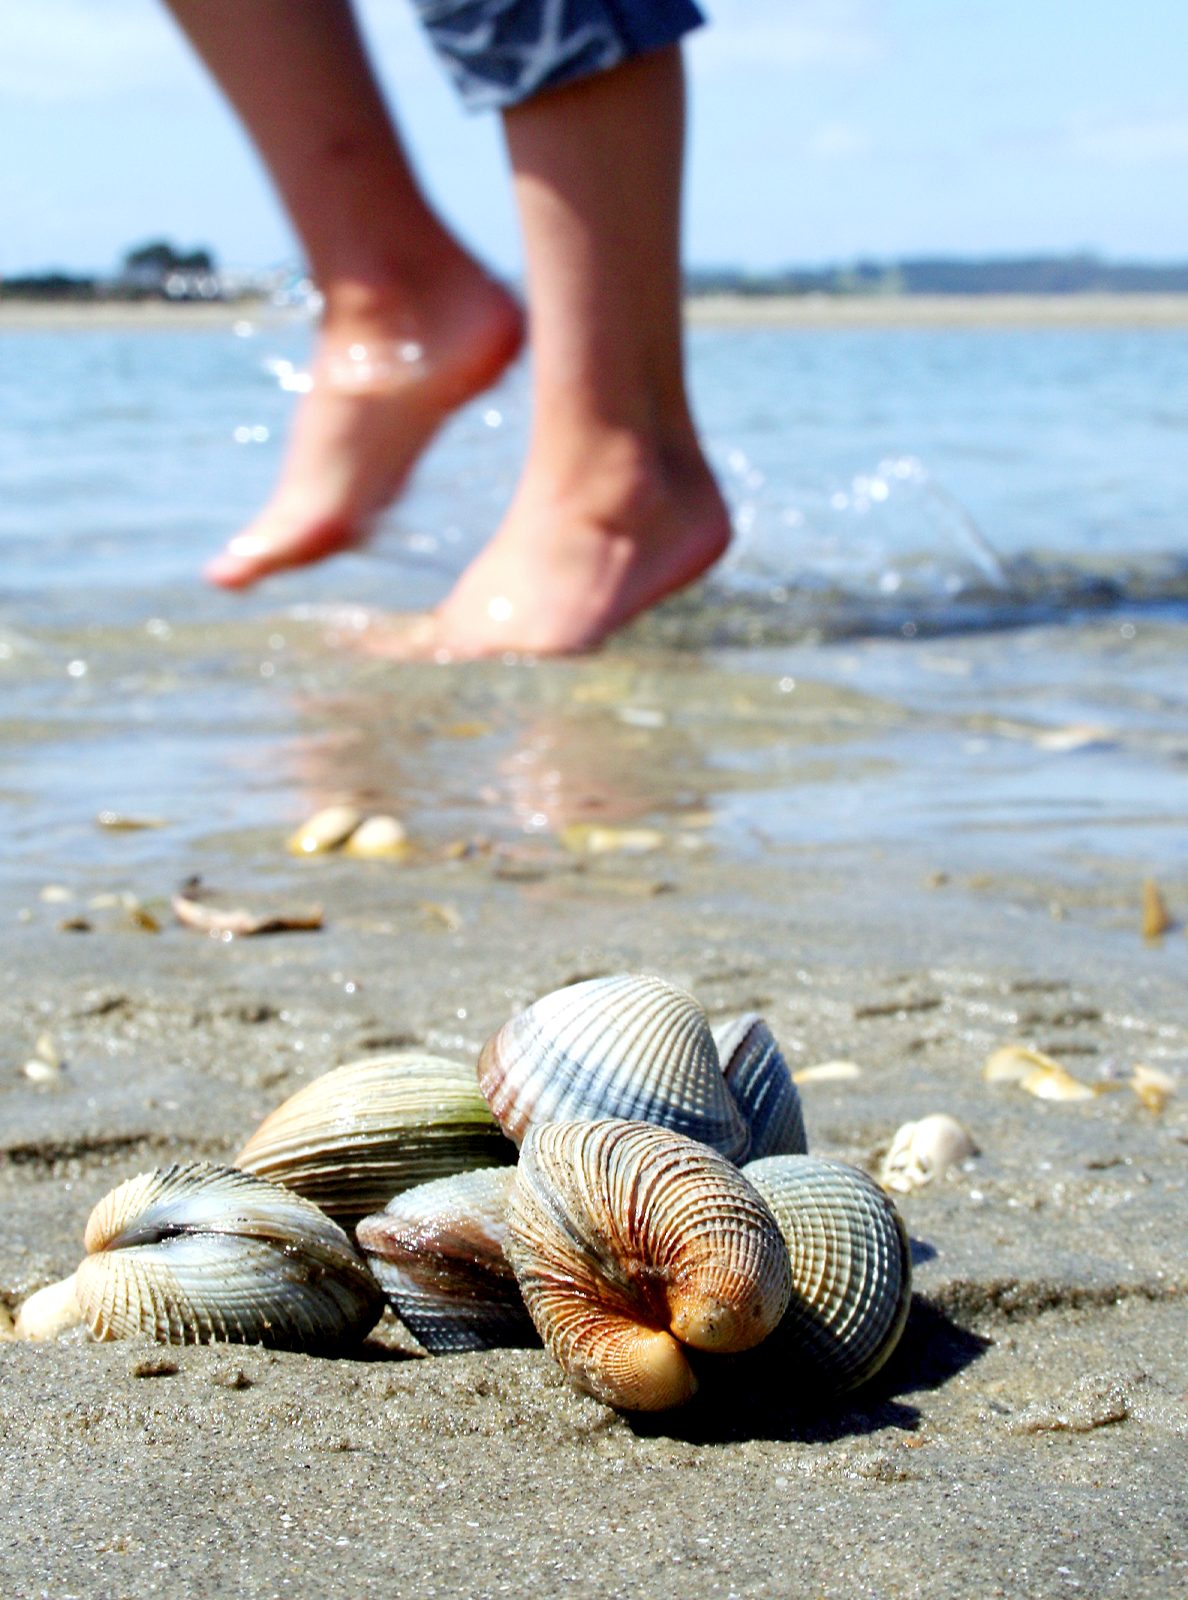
619, 1179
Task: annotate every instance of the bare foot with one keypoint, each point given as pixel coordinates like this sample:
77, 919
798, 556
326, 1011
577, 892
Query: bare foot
384, 378
568, 567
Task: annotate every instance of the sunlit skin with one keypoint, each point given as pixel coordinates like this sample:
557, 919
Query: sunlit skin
616, 506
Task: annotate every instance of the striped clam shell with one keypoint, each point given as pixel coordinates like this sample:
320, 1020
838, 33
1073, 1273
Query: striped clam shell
629, 1047
437, 1251
851, 1268
197, 1253
757, 1076
353, 1138
630, 1242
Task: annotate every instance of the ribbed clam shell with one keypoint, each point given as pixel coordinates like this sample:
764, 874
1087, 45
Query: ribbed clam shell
851, 1268
437, 1251
197, 1253
353, 1138
757, 1076
630, 1047
629, 1241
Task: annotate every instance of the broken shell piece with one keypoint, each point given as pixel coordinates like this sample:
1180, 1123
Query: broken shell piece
45, 1064
196, 1253
46, 1050
1157, 919
380, 838
629, 1243
121, 822
1153, 1087
924, 1150
197, 907
1076, 736
1058, 1085
828, 1072
39, 1071
1013, 1062
437, 1251
599, 839
1035, 1072
325, 830
49, 1312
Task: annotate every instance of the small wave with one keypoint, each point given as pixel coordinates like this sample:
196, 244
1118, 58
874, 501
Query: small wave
1032, 590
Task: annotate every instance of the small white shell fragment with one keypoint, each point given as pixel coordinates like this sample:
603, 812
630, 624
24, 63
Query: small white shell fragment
1076, 736
381, 838
1014, 1062
46, 1050
49, 1312
600, 839
56, 894
1153, 1087
828, 1072
1035, 1072
38, 1070
924, 1150
1058, 1085
45, 1064
325, 830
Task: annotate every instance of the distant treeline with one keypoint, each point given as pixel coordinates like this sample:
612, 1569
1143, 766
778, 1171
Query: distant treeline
1077, 274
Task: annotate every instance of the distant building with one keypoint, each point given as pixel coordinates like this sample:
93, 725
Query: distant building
157, 269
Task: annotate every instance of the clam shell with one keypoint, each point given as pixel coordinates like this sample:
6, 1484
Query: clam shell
437, 1251
197, 1253
325, 830
629, 1047
757, 1076
353, 1138
851, 1269
630, 1241
380, 838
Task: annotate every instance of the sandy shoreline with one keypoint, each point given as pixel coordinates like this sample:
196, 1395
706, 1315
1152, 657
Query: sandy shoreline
1034, 1426
808, 311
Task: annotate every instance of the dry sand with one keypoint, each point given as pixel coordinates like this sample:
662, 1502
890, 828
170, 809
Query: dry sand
1030, 1438
790, 311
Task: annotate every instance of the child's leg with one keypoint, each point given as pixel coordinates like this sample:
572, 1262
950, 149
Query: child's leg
412, 325
617, 506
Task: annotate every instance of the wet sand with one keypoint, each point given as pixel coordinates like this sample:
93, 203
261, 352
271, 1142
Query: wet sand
1031, 1436
783, 311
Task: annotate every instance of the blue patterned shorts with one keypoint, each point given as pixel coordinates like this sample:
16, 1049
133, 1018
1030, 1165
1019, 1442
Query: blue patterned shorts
499, 52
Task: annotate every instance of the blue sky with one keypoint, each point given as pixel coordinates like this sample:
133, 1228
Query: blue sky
821, 130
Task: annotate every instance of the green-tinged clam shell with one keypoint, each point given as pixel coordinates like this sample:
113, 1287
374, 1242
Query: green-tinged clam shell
851, 1270
630, 1242
628, 1047
197, 1253
353, 1138
437, 1251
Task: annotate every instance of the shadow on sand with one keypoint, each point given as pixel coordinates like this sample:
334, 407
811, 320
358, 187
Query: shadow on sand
744, 1400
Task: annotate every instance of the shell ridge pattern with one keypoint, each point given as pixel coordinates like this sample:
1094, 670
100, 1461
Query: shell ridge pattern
851, 1264
224, 1255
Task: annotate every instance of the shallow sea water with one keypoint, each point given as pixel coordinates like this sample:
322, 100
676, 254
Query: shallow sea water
954, 622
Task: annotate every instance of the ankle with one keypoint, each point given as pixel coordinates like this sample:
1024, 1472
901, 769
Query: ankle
620, 473
406, 293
